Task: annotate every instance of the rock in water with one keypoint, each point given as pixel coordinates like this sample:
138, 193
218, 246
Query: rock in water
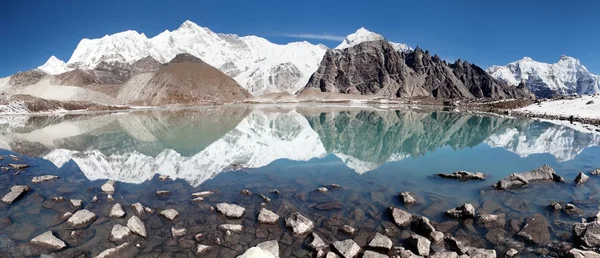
269, 249
465, 211
178, 231
231, 227
588, 234
117, 211
577, 253
512, 252
47, 239
555, 205
231, 210
202, 194
490, 221
169, 214
445, 254
381, 241
299, 224
76, 203
81, 218
44, 178
419, 244
126, 250
201, 249
138, 208
401, 218
407, 198
373, 254
137, 226
463, 175
15, 192
348, 229
18, 166
537, 230
347, 248
119, 232
267, 217
108, 187
520, 179
317, 243
581, 178
596, 172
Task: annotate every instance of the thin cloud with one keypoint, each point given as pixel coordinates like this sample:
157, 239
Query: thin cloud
315, 36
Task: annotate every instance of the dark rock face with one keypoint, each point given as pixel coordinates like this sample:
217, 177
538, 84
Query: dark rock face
544, 173
376, 68
537, 230
588, 234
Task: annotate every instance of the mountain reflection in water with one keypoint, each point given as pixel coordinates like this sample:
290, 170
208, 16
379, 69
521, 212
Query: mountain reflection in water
197, 144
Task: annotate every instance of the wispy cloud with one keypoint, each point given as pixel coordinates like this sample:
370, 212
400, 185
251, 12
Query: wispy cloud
314, 36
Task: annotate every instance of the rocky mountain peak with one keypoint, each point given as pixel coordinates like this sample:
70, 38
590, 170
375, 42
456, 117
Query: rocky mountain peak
186, 58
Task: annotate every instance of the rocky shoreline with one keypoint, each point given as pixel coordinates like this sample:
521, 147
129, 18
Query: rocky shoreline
179, 221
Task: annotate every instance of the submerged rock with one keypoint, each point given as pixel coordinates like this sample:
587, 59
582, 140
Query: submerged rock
47, 239
572, 209
419, 245
201, 249
401, 218
137, 226
246, 192
138, 208
347, 248
231, 227
119, 232
267, 217
317, 243
15, 192
464, 211
44, 178
170, 214
18, 166
76, 203
537, 230
81, 218
381, 241
108, 187
463, 175
511, 252
407, 198
231, 210
322, 189
202, 194
117, 211
581, 178
125, 250
348, 229
490, 221
555, 205
177, 231
269, 249
588, 234
520, 179
596, 172
299, 224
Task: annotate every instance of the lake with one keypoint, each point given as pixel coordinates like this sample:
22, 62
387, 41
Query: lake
281, 156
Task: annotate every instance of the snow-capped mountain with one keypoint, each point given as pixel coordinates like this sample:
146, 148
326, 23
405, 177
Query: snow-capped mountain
54, 66
364, 35
255, 63
565, 77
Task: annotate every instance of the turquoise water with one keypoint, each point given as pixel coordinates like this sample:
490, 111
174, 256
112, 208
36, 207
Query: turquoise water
374, 154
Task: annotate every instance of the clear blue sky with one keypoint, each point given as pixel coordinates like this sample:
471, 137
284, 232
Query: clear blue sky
480, 31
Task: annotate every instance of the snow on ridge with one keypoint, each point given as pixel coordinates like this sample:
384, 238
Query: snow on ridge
54, 66
363, 35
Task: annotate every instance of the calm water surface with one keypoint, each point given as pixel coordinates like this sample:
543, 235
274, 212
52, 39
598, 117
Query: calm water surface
373, 154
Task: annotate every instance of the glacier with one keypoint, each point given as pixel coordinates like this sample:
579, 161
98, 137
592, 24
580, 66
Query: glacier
565, 77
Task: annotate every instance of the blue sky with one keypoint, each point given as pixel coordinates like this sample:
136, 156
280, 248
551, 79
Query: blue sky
482, 32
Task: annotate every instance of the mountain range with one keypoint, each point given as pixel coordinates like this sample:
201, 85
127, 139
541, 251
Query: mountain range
363, 63
135, 146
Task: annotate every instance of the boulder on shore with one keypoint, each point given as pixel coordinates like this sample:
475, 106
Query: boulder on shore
581, 178
299, 224
464, 211
587, 234
537, 230
515, 180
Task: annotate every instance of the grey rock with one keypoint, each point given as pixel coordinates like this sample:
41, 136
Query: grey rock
108, 187
348, 229
170, 214
15, 192
490, 221
581, 178
572, 209
137, 226
125, 250
119, 232
202, 249
511, 252
299, 224
407, 198
445, 254
44, 178
408, 254
496, 236
317, 243
231, 227
376, 68
463, 175
268, 249
381, 241
515, 180
18, 166
117, 211
464, 211
267, 217
202, 194
419, 245
588, 234
47, 239
373, 254
331, 255
76, 203
423, 226
271, 247
555, 205
163, 193
322, 189
231, 210
138, 208
481, 253
537, 230
177, 231
577, 253
347, 248
401, 218
246, 192
81, 218
436, 236
596, 172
